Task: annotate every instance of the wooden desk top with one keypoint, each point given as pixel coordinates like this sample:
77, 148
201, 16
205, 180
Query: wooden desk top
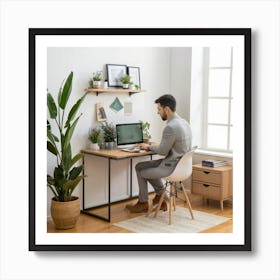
116, 153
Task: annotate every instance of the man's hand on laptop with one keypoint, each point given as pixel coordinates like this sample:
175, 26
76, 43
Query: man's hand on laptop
144, 146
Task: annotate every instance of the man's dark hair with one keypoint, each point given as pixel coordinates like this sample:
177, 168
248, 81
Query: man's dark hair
167, 100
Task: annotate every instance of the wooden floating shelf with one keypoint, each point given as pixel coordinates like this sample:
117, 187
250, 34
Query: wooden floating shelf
113, 90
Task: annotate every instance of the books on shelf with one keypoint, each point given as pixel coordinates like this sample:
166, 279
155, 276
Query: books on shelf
213, 163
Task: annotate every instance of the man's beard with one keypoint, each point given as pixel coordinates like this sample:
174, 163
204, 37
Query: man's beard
164, 117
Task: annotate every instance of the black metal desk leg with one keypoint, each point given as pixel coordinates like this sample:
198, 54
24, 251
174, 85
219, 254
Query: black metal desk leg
83, 184
131, 178
109, 187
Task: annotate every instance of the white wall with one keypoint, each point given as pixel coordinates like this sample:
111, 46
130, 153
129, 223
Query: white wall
181, 79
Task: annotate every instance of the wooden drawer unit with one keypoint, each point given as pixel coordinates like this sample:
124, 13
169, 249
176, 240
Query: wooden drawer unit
212, 183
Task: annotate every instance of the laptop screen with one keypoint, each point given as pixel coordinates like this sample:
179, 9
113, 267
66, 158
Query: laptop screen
129, 133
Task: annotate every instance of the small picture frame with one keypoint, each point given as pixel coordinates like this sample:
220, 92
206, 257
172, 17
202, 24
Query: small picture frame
114, 73
127, 108
100, 112
134, 73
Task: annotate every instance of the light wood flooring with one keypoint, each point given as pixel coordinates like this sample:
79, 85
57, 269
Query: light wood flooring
88, 224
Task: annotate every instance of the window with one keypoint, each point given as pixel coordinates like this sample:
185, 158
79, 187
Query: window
218, 101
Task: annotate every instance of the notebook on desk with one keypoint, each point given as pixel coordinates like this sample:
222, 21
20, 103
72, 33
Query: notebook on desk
128, 136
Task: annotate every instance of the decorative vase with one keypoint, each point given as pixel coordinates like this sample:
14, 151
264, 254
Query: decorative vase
65, 214
125, 86
96, 84
109, 145
94, 146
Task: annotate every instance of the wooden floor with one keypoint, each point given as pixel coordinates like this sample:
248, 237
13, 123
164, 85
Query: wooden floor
88, 224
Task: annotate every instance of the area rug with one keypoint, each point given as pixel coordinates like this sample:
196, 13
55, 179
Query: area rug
182, 222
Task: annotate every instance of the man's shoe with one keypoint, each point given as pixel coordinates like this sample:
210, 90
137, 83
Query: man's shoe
156, 199
163, 204
138, 207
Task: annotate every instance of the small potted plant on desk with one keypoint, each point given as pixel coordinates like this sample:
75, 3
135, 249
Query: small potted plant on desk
93, 136
65, 208
96, 80
109, 135
146, 132
125, 81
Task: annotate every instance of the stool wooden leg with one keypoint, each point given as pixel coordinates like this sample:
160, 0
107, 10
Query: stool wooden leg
174, 191
149, 209
160, 202
170, 209
221, 205
187, 199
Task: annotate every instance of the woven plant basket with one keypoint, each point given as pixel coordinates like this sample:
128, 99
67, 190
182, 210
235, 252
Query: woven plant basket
65, 214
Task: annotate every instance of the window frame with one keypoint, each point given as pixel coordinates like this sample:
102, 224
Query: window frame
206, 123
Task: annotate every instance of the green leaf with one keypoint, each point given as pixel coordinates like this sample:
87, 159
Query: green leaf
50, 135
48, 126
59, 177
66, 91
71, 185
55, 138
75, 159
74, 110
50, 180
66, 158
51, 106
54, 191
51, 148
69, 133
75, 172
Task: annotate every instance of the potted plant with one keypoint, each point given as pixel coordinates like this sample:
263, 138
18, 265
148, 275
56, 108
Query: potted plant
65, 208
146, 132
93, 136
125, 81
109, 135
96, 80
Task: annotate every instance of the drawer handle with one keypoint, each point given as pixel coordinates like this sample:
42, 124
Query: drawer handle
206, 185
206, 172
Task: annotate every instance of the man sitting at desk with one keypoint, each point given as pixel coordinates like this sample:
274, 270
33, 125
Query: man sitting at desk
175, 142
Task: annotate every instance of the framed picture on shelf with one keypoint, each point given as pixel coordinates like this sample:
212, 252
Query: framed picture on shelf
114, 74
134, 73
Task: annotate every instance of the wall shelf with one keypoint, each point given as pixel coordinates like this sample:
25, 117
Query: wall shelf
113, 90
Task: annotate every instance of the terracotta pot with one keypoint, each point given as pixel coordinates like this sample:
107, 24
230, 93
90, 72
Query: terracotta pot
65, 214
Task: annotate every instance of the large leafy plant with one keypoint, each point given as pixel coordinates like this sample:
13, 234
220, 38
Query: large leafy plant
66, 175
109, 132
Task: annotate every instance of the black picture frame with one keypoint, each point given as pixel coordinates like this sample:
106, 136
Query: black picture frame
114, 74
35, 33
134, 73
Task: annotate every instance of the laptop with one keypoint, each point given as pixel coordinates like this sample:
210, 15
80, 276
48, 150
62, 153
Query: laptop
128, 136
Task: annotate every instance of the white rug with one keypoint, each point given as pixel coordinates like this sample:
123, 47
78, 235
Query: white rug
182, 222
